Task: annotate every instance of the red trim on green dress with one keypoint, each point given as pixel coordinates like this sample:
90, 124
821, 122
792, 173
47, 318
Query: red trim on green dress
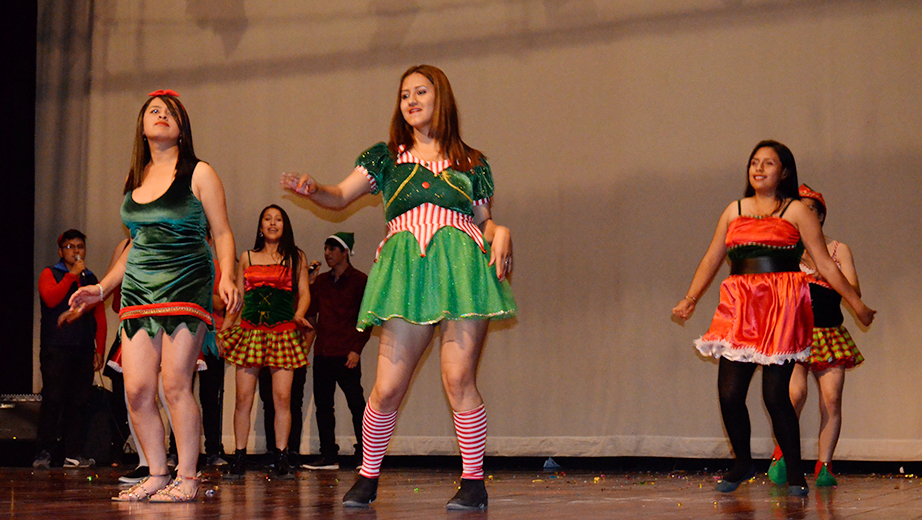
166, 309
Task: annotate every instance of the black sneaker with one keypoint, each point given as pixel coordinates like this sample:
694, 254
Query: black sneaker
78, 462
362, 493
294, 459
134, 476
237, 468
283, 469
471, 496
358, 457
215, 459
324, 462
42, 460
272, 454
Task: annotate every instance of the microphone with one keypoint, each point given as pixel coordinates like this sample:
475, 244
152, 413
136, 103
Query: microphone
83, 272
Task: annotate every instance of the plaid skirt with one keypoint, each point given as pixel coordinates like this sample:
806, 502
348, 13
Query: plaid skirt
833, 347
257, 347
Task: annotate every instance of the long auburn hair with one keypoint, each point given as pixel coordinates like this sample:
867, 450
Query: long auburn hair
445, 127
788, 187
140, 156
291, 254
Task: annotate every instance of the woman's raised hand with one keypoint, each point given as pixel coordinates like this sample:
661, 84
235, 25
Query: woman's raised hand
865, 315
684, 309
86, 295
300, 184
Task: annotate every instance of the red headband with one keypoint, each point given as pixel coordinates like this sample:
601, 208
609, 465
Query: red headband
806, 191
162, 92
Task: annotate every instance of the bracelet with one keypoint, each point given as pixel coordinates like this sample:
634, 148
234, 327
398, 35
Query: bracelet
692, 298
101, 294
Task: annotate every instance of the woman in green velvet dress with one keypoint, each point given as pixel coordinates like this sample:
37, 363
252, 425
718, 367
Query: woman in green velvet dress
444, 261
166, 278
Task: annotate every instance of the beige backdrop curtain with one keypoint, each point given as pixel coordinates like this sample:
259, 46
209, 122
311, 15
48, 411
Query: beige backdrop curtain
617, 131
62, 99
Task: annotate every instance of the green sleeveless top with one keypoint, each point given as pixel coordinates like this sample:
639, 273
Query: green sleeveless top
169, 276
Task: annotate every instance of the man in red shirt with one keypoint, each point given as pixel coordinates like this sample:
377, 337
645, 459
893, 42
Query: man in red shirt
67, 356
336, 296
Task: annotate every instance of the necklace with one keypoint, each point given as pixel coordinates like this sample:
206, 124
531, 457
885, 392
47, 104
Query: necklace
776, 206
274, 256
418, 153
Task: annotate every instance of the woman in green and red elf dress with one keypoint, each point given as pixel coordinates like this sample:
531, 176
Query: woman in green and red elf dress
273, 278
443, 261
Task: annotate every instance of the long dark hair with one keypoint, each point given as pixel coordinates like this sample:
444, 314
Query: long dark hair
788, 187
187, 160
445, 127
291, 255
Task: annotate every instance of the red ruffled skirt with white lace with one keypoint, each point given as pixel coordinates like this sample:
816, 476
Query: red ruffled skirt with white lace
762, 318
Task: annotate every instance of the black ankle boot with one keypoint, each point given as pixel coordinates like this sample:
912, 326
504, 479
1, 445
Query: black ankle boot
362, 493
283, 469
237, 468
472, 495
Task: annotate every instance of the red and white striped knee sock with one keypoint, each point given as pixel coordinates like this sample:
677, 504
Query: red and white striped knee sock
471, 428
377, 429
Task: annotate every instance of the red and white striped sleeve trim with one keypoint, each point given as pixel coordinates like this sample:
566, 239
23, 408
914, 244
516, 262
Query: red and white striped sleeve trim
427, 218
371, 180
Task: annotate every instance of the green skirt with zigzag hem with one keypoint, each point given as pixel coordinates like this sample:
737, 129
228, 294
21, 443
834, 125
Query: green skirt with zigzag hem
154, 324
452, 282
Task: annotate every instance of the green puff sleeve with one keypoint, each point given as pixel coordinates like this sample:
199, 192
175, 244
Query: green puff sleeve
482, 181
375, 160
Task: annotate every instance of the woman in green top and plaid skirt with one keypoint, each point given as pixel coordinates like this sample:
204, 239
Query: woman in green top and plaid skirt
443, 261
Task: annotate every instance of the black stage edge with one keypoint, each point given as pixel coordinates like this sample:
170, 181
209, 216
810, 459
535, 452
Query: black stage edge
18, 21
643, 464
20, 454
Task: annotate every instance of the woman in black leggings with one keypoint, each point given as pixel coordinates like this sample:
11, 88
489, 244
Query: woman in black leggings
764, 316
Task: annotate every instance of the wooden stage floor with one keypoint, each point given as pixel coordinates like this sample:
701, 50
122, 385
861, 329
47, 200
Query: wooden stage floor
422, 493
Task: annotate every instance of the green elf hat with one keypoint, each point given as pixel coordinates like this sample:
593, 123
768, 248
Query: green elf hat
346, 239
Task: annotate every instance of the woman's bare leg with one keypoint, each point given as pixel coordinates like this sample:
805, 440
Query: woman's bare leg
798, 387
180, 353
141, 370
831, 382
401, 347
462, 344
281, 400
246, 378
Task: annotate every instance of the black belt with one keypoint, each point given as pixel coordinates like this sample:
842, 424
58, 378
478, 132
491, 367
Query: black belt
764, 264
